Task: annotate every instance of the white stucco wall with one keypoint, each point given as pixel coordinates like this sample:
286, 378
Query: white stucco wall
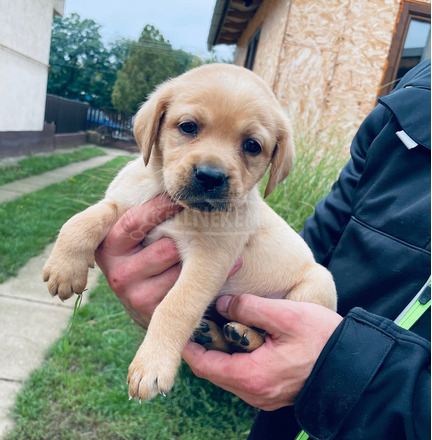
25, 36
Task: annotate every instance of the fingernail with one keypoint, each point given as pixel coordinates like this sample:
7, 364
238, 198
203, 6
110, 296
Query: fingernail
222, 303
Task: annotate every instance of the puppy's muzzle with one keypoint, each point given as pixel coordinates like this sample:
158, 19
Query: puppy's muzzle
210, 179
208, 189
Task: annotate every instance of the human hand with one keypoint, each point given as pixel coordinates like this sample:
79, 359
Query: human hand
273, 375
141, 277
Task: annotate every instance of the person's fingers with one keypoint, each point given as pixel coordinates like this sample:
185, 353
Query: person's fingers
154, 259
264, 313
143, 265
144, 302
207, 363
161, 284
133, 226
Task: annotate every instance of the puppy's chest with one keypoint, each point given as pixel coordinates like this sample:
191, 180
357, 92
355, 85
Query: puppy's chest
216, 230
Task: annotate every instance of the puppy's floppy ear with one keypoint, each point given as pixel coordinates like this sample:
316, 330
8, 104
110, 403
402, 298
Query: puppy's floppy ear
283, 156
148, 119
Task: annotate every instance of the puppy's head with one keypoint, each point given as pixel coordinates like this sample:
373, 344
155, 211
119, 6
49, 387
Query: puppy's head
212, 133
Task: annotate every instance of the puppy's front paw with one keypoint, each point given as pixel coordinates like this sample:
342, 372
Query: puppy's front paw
149, 376
65, 276
242, 337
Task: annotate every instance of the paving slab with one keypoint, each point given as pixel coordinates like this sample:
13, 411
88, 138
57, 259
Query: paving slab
28, 329
8, 391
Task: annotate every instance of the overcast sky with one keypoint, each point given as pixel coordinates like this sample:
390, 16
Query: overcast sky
185, 23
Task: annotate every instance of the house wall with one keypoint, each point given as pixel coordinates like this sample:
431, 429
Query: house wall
272, 16
25, 36
331, 59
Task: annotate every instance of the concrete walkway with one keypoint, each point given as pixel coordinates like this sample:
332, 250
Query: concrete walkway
30, 320
13, 190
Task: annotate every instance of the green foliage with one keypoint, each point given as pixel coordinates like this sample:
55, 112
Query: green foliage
151, 61
80, 392
320, 155
31, 166
120, 74
81, 66
32, 221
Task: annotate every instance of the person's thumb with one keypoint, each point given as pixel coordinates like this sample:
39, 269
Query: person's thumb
254, 311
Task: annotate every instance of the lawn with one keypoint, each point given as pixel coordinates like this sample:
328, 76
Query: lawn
32, 221
80, 391
30, 166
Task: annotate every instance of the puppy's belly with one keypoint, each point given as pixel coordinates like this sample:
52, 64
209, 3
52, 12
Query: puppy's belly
231, 287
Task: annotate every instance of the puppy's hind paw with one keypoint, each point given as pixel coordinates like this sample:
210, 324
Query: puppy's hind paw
243, 338
210, 336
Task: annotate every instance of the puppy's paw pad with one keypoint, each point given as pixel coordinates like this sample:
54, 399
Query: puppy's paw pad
209, 335
203, 334
242, 338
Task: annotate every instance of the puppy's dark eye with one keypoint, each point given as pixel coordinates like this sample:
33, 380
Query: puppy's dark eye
251, 147
189, 128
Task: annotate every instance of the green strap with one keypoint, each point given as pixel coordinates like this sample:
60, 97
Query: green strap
416, 308
302, 436
411, 314
414, 314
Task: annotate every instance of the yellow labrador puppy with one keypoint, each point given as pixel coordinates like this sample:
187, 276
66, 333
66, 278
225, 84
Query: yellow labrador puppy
207, 137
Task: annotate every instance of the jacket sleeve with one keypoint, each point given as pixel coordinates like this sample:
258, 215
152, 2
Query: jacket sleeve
323, 230
363, 397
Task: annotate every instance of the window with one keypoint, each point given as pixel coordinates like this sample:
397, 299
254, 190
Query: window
251, 50
411, 43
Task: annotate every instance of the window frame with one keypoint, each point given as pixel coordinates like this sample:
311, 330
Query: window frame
252, 49
409, 11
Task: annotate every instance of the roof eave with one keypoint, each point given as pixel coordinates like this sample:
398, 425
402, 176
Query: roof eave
219, 13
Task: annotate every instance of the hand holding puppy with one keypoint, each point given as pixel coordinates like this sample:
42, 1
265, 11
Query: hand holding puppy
270, 377
273, 375
141, 277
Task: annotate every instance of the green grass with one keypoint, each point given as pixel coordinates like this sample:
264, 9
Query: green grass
32, 221
319, 160
80, 391
40, 164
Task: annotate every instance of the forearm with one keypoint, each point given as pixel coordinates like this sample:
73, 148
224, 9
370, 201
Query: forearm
372, 380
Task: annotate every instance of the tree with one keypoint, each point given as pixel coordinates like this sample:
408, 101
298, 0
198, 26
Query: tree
151, 61
119, 75
81, 66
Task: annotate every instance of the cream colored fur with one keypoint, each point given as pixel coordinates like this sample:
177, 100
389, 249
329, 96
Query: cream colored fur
229, 105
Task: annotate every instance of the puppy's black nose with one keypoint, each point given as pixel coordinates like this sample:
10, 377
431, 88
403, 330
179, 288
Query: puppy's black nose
210, 178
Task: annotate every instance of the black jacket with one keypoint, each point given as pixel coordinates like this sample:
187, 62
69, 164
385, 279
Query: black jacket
372, 380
